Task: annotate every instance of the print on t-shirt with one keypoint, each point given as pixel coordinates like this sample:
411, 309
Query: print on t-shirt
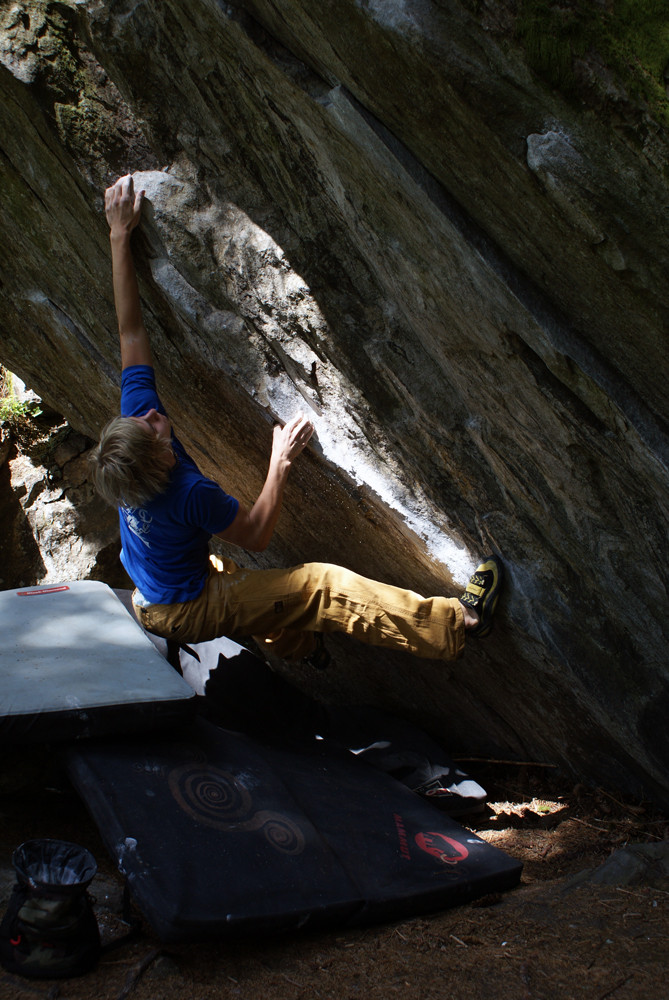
139, 522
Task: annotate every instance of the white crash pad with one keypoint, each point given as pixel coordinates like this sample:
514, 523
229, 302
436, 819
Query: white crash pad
74, 662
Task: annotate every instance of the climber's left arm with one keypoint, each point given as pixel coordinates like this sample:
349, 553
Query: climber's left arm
253, 529
123, 209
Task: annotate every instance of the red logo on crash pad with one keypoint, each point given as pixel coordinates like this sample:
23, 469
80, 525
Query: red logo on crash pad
442, 847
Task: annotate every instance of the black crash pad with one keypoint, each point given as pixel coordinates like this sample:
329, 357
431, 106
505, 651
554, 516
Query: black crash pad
217, 833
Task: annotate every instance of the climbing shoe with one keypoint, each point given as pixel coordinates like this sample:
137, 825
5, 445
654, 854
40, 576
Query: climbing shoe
481, 594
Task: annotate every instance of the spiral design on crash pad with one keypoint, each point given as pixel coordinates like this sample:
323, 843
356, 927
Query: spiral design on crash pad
206, 793
282, 833
218, 799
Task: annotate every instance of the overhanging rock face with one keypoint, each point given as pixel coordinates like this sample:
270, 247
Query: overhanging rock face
375, 213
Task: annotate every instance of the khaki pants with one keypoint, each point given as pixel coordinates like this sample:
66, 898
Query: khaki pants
282, 608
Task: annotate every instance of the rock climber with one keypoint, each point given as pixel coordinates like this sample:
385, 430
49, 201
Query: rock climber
169, 511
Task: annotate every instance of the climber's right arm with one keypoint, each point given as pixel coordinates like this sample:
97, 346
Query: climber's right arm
123, 208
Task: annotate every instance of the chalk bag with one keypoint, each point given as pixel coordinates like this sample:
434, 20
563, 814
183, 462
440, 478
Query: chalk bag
49, 930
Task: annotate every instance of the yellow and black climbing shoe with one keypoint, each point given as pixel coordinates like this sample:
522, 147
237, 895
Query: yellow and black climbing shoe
481, 594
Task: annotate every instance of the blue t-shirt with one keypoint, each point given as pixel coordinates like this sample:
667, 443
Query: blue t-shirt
165, 545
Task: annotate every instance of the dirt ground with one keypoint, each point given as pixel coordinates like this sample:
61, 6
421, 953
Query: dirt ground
553, 937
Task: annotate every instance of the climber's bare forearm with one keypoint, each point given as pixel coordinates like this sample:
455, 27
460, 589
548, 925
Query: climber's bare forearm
135, 347
123, 209
253, 529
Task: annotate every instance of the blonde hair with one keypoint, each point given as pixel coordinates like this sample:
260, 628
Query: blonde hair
130, 465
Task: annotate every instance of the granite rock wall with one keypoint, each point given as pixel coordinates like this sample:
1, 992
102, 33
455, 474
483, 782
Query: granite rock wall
374, 211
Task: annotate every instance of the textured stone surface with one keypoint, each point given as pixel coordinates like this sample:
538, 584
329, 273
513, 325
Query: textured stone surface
374, 211
54, 525
637, 864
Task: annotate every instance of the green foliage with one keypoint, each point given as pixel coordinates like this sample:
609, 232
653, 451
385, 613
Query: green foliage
14, 411
552, 35
630, 36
